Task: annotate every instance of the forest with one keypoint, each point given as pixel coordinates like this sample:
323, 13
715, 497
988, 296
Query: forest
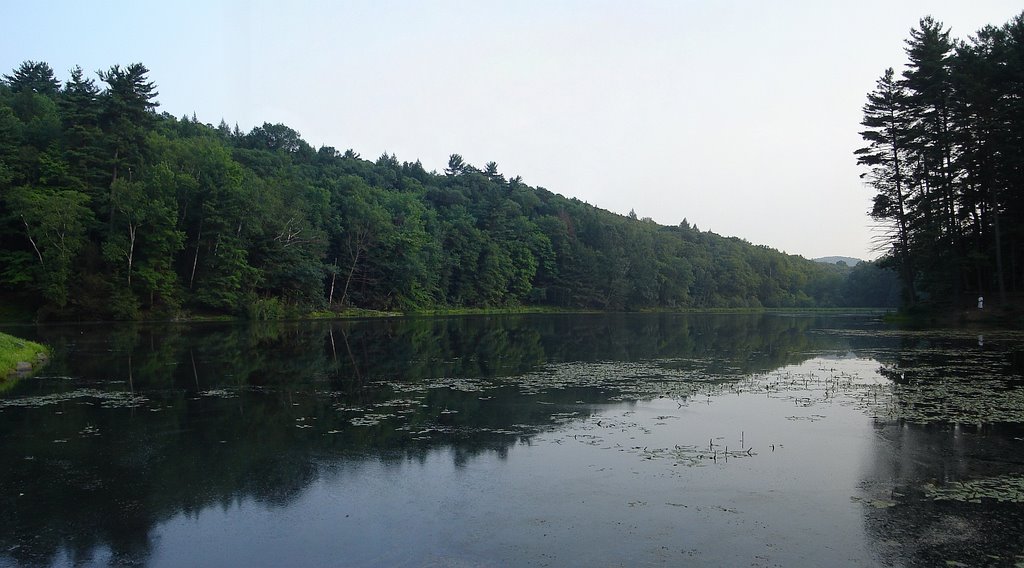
945, 156
110, 209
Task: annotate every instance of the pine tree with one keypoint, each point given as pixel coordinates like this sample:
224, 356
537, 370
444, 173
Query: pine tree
80, 116
34, 76
888, 123
127, 115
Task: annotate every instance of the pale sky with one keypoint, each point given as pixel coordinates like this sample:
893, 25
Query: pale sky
741, 117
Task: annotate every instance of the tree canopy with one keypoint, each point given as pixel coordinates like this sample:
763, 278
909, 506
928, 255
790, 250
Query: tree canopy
945, 156
110, 209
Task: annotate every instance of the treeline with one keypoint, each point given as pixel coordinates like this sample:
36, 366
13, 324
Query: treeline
945, 155
109, 209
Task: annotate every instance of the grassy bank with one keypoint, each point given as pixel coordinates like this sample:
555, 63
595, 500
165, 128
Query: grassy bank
14, 350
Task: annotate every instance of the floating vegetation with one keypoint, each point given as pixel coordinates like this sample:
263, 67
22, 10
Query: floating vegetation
89, 430
107, 399
399, 402
369, 419
218, 393
629, 381
1004, 489
976, 401
957, 392
693, 455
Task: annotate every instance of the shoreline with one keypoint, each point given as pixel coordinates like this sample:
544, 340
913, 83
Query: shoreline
359, 313
19, 358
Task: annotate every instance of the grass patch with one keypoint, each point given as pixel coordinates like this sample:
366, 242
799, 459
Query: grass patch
352, 313
14, 350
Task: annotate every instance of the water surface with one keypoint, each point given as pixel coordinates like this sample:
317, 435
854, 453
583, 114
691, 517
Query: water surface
599, 440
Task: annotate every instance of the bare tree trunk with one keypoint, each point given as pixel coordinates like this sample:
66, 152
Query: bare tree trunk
33, 241
999, 258
131, 251
348, 279
334, 277
195, 259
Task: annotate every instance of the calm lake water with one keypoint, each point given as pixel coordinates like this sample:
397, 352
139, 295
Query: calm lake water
568, 440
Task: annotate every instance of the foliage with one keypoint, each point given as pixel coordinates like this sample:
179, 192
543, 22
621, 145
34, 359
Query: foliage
946, 160
14, 350
110, 210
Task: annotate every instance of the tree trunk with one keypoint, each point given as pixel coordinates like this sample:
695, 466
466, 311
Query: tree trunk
33, 241
999, 258
334, 277
348, 279
131, 251
195, 259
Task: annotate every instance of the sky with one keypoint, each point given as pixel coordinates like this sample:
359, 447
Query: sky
739, 116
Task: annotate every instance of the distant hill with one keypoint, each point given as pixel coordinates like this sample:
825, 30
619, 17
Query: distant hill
849, 260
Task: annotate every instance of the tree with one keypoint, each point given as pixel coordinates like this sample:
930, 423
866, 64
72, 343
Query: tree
10, 145
143, 238
213, 219
889, 124
982, 116
927, 79
275, 137
127, 115
960, 162
34, 76
491, 171
456, 165
81, 108
55, 223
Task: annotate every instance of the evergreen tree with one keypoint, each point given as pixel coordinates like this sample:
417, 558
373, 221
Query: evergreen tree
83, 150
889, 133
33, 76
127, 114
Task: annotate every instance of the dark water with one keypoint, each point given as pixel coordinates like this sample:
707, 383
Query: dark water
604, 440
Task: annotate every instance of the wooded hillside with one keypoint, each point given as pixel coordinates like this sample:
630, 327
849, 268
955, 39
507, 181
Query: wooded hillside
111, 210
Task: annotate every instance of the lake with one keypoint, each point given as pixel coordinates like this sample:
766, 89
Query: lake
534, 440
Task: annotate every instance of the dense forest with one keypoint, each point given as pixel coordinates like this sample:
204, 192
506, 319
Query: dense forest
945, 155
109, 209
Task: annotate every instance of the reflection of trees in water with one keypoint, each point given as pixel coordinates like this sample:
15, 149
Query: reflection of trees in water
507, 346
911, 529
226, 407
942, 377
923, 356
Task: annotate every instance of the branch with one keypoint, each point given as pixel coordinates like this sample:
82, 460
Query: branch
28, 233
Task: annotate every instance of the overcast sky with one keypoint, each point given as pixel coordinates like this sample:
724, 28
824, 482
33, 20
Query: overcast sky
741, 117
